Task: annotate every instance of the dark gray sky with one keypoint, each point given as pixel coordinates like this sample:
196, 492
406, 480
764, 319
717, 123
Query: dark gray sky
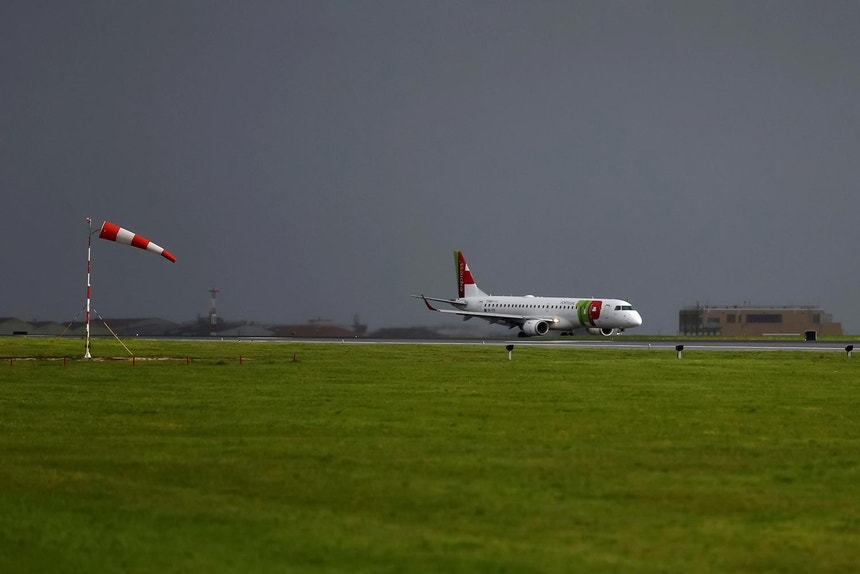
325, 158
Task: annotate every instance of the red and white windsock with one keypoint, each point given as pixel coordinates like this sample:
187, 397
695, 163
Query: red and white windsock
116, 233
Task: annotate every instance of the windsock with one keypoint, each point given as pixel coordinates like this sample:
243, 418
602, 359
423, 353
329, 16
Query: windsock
116, 233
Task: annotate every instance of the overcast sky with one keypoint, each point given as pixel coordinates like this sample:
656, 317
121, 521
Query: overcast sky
325, 158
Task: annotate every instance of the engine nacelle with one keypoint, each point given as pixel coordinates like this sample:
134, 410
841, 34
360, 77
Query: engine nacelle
606, 332
535, 327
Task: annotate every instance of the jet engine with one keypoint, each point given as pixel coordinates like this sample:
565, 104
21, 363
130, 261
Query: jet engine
535, 327
606, 332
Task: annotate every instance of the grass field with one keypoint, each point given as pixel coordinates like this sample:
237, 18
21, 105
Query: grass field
408, 458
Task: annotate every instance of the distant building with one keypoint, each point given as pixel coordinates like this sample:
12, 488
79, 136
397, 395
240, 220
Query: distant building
407, 333
314, 330
13, 326
741, 321
122, 327
202, 327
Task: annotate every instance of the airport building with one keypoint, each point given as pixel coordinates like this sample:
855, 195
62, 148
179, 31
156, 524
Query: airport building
744, 321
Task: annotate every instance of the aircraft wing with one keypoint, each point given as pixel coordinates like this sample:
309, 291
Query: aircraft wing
511, 320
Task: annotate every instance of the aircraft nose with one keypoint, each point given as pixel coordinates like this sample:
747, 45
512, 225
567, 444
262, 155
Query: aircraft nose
635, 319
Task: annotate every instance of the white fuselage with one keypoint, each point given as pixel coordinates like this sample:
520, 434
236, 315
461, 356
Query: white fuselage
561, 313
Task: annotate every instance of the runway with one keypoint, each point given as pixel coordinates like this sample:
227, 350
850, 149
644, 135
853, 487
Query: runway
599, 343
646, 344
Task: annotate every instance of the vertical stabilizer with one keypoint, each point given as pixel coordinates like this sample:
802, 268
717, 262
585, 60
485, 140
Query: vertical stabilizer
466, 286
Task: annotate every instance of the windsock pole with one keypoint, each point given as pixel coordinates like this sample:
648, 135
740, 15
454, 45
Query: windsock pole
89, 264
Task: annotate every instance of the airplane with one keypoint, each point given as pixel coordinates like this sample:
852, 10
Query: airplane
536, 315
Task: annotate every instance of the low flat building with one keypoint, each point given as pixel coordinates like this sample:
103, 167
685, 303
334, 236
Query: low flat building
13, 326
747, 321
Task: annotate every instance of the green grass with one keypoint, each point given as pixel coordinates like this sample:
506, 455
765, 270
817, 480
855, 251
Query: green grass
407, 458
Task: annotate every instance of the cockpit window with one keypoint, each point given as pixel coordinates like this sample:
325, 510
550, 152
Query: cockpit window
624, 307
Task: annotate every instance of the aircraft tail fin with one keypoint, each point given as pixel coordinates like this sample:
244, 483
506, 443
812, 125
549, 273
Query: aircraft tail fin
466, 286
